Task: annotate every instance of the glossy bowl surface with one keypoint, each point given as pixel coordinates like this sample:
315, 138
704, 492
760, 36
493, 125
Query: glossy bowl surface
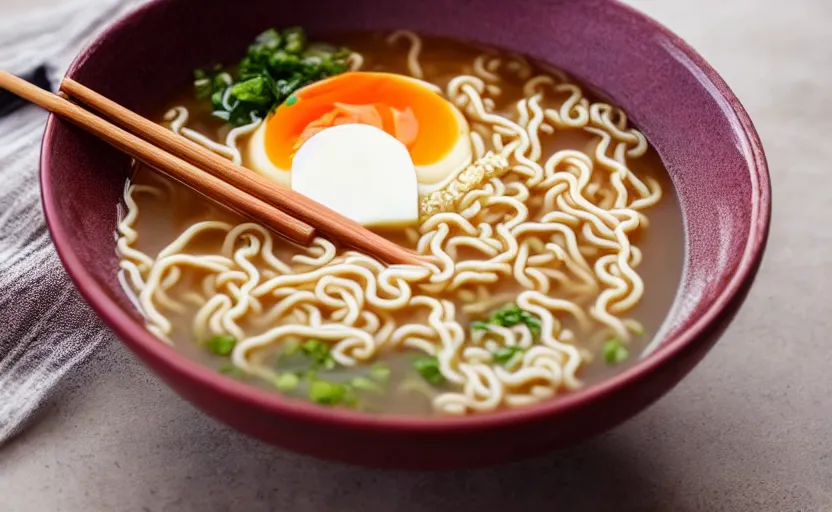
685, 109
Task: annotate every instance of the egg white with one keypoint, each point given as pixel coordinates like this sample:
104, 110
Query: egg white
256, 159
374, 183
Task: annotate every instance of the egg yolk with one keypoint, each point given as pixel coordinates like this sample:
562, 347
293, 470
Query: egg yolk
401, 106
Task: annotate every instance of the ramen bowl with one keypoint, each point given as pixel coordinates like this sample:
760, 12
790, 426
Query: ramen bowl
698, 127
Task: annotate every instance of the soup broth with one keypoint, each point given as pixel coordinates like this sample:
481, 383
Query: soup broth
531, 306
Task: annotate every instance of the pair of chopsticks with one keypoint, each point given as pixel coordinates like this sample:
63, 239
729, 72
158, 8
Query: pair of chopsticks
292, 215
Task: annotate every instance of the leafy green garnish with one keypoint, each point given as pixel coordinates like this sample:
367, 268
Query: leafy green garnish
318, 351
479, 325
507, 356
509, 316
295, 40
256, 91
532, 322
428, 368
275, 66
203, 87
615, 352
327, 393
232, 371
290, 347
380, 372
221, 344
287, 382
365, 384
512, 315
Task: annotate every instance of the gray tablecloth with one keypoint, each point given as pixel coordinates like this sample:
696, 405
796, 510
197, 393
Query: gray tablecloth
46, 330
749, 430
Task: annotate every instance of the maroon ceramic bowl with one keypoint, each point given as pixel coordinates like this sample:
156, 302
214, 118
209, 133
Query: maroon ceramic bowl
698, 126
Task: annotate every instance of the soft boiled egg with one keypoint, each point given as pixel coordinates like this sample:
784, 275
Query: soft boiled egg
431, 129
361, 172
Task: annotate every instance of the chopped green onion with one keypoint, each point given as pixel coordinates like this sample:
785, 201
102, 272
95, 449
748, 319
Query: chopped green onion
290, 347
615, 352
275, 66
255, 90
479, 325
232, 371
268, 40
304, 358
326, 393
380, 372
506, 356
316, 349
365, 384
203, 85
221, 344
287, 382
512, 315
295, 39
291, 100
428, 368
509, 316
531, 321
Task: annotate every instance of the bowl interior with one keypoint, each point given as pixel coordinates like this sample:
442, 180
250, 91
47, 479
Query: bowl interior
687, 113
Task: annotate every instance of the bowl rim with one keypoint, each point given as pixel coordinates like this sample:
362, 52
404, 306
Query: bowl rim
139, 340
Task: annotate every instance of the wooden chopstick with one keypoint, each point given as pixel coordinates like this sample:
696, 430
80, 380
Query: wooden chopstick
323, 219
174, 167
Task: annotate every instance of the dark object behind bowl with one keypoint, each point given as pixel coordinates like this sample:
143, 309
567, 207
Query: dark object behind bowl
10, 103
698, 127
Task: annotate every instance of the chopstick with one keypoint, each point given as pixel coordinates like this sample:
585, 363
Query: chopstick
323, 219
170, 165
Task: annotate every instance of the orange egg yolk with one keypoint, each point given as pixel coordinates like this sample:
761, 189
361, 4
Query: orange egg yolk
417, 116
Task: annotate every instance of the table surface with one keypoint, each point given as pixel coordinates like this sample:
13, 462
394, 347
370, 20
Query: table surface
749, 429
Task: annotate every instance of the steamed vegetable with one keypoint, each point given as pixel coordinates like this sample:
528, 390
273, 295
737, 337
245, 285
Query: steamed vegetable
276, 65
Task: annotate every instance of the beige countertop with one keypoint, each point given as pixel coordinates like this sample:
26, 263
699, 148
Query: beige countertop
749, 430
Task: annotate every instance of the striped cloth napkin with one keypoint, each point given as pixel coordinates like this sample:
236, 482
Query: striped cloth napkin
46, 329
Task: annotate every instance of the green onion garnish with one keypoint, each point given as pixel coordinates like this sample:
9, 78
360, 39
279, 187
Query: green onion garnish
615, 352
277, 64
326, 393
380, 372
428, 368
365, 384
317, 350
232, 371
287, 382
221, 344
479, 325
507, 356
